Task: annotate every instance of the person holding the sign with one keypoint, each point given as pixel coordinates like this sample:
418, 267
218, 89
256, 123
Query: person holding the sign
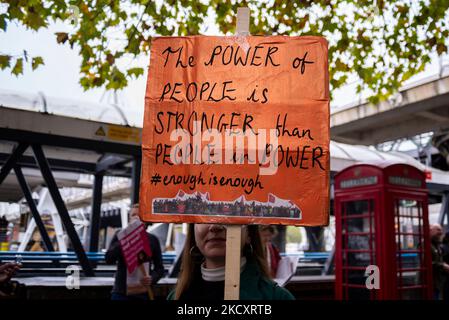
203, 266
135, 286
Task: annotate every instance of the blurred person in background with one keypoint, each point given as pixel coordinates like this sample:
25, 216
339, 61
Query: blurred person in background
445, 251
267, 234
440, 269
123, 290
7, 271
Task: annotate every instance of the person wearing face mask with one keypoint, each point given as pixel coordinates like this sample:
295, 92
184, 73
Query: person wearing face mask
138, 290
202, 272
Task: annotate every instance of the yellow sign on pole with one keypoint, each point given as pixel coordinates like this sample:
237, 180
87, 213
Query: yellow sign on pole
125, 134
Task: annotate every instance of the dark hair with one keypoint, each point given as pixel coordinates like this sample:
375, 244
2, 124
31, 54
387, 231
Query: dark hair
192, 259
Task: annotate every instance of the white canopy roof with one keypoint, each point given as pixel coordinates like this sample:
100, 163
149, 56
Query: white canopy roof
345, 155
64, 107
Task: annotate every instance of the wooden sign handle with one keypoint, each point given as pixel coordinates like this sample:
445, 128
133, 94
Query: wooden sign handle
232, 267
144, 272
234, 232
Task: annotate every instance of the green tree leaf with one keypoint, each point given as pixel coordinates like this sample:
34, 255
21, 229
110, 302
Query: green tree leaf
3, 23
382, 43
441, 48
36, 62
34, 21
4, 61
18, 67
135, 72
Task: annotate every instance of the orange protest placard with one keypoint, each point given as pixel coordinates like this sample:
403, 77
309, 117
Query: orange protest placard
236, 131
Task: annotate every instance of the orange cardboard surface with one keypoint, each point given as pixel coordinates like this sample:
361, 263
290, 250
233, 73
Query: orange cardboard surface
236, 131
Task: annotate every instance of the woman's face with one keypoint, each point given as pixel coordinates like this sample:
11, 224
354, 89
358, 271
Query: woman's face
211, 241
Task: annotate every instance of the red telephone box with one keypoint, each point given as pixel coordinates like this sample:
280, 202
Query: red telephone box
382, 220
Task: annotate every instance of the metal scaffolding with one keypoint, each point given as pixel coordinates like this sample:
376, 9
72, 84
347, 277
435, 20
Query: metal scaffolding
114, 158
